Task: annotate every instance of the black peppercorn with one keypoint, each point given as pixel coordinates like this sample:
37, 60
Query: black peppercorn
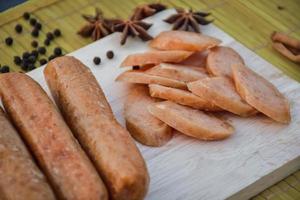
24, 65
135, 67
35, 32
9, 41
25, 55
42, 50
32, 21
57, 51
35, 53
51, 57
47, 42
38, 26
31, 67
31, 59
57, 32
26, 15
4, 69
49, 36
43, 61
18, 28
97, 60
34, 44
110, 54
17, 60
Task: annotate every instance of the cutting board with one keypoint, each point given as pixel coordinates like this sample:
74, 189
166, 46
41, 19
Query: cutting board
260, 153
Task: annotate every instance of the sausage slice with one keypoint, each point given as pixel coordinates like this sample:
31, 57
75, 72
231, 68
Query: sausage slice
261, 94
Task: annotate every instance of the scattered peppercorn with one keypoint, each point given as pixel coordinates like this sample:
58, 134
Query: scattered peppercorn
51, 57
57, 51
110, 54
49, 36
35, 32
9, 41
135, 67
97, 60
280, 7
43, 61
47, 42
4, 69
34, 44
42, 50
25, 55
18, 28
32, 21
35, 53
57, 32
17, 60
31, 59
38, 26
24, 65
26, 15
31, 67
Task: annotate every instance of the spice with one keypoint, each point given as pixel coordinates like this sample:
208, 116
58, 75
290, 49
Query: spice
109, 54
57, 51
32, 21
42, 50
26, 15
17, 60
47, 42
146, 10
31, 59
34, 44
132, 28
35, 32
38, 26
43, 61
97, 26
188, 20
25, 55
49, 36
9, 41
51, 57
287, 46
97, 60
57, 32
31, 66
4, 69
135, 67
18, 28
35, 53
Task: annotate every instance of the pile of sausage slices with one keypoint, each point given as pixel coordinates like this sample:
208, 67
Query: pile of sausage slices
187, 77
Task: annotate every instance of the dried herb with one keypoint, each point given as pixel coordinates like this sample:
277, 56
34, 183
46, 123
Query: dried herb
146, 10
132, 28
188, 20
97, 26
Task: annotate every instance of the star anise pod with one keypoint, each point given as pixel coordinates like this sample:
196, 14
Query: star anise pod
132, 28
188, 20
97, 26
146, 10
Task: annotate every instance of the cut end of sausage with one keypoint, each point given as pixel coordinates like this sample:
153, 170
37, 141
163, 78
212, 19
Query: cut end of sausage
261, 94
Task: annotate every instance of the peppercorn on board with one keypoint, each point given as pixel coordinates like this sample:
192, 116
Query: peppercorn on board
260, 153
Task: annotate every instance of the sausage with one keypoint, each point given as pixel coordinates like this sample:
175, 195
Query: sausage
69, 170
19, 176
109, 145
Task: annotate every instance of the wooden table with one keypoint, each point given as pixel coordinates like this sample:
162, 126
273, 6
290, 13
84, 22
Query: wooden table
249, 22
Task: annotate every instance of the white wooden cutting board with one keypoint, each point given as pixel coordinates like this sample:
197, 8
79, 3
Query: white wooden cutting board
260, 153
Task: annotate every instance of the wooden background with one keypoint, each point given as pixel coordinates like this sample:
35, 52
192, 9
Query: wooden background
249, 22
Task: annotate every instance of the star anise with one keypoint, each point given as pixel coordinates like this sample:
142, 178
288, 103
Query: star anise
188, 20
146, 10
132, 28
97, 26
